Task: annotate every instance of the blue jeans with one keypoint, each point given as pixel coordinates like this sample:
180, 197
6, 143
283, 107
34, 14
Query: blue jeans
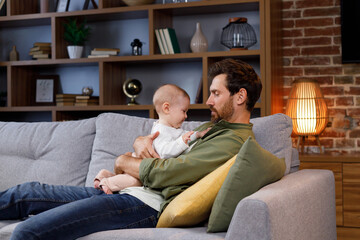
67, 212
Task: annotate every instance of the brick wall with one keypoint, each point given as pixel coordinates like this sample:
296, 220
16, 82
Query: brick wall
312, 49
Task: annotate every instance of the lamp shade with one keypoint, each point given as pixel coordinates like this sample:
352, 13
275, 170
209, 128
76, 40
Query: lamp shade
307, 108
238, 34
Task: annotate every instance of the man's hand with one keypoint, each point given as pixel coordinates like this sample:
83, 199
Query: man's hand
143, 146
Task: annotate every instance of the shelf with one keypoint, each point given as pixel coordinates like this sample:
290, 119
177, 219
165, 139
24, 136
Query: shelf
116, 26
339, 158
180, 57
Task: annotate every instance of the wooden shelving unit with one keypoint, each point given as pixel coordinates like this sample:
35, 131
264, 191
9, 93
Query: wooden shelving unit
17, 76
346, 169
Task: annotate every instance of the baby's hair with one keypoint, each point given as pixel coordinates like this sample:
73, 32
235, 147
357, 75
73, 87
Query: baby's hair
167, 93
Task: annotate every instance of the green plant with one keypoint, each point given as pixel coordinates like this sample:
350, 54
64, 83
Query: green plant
76, 33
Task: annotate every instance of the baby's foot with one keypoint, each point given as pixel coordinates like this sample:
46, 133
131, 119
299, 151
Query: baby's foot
106, 189
96, 183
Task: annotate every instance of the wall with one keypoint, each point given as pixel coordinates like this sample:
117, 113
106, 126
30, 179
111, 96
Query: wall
312, 49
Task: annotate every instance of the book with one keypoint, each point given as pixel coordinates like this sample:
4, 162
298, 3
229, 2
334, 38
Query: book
107, 49
79, 97
40, 48
45, 56
39, 52
168, 40
2, 2
42, 44
85, 104
174, 40
163, 41
95, 52
99, 56
61, 104
161, 47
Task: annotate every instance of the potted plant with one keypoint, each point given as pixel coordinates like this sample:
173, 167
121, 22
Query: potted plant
76, 34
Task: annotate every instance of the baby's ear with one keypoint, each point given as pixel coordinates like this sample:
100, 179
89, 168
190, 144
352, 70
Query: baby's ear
166, 107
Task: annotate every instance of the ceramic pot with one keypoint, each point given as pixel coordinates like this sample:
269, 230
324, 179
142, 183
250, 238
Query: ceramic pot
198, 42
75, 51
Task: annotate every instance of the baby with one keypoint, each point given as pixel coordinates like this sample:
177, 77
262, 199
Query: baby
171, 104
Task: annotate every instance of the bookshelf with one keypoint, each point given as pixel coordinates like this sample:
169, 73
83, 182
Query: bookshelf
106, 75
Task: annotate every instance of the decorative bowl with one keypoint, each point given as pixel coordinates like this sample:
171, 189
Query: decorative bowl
138, 2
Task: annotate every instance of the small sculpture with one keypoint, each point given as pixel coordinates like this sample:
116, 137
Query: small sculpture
136, 47
87, 91
14, 55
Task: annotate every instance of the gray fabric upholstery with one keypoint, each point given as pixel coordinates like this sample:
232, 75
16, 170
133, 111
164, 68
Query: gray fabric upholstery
274, 134
49, 152
113, 139
299, 206
198, 233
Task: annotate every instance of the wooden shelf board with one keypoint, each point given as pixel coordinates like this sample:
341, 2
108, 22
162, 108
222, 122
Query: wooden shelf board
202, 7
180, 57
344, 158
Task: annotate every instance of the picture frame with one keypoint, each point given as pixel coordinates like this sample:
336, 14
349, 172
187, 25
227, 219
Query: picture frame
62, 5
45, 89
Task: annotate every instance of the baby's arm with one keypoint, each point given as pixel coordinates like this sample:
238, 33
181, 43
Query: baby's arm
202, 133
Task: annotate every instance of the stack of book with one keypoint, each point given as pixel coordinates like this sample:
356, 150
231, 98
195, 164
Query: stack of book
104, 52
86, 101
65, 99
167, 41
41, 50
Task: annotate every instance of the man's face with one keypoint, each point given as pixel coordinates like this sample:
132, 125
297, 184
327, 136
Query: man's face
220, 101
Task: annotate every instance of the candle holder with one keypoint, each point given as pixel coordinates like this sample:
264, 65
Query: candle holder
238, 34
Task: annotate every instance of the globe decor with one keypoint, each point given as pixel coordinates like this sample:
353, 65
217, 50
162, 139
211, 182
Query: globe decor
132, 88
307, 108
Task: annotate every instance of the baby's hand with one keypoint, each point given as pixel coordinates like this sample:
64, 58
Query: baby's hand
186, 136
202, 133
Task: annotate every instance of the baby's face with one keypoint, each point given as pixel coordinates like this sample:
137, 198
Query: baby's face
178, 112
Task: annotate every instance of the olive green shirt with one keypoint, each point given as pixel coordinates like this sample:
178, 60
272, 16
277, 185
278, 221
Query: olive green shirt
174, 175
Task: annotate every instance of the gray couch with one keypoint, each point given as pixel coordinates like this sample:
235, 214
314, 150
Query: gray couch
299, 206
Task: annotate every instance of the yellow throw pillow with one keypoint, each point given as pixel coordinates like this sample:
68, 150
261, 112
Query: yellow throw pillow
193, 206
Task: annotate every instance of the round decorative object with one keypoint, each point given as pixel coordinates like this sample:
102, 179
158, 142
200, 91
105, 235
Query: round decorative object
238, 34
138, 2
198, 42
87, 91
132, 88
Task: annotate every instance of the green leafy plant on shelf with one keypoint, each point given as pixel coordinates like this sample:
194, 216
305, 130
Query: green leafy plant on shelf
76, 34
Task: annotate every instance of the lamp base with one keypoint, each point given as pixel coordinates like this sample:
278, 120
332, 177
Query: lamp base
302, 140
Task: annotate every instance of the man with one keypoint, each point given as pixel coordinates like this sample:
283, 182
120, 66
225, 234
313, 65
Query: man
65, 212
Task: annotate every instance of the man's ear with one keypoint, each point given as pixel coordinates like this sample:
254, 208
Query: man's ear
166, 107
241, 96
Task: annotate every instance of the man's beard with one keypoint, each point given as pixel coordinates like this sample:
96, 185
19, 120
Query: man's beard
225, 112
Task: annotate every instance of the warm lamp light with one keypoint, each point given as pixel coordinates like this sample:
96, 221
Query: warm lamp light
307, 108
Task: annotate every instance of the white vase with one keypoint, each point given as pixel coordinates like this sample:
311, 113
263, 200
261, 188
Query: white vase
198, 42
75, 51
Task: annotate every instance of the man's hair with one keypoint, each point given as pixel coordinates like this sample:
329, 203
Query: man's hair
167, 93
238, 75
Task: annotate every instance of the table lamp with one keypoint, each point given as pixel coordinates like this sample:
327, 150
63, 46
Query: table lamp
307, 108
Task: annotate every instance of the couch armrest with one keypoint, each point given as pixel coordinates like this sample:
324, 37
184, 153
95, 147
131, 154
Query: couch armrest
299, 206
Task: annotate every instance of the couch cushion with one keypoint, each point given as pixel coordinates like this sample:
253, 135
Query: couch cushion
48, 152
254, 168
115, 135
274, 134
193, 206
